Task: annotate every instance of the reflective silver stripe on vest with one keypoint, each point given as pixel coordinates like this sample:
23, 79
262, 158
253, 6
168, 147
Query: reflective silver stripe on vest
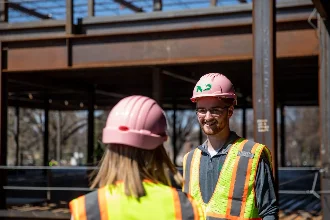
238, 193
186, 207
187, 171
214, 218
92, 206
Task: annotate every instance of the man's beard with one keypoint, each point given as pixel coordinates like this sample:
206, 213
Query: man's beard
209, 128
213, 127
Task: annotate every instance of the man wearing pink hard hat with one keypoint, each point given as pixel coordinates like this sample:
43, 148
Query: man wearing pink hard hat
230, 176
134, 172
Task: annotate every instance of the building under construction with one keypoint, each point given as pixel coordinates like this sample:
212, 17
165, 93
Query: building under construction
96, 52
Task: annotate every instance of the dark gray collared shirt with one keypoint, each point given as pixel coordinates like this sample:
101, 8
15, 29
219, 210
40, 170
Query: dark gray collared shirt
264, 186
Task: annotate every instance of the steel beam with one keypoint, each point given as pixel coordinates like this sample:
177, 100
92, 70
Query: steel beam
129, 5
3, 11
264, 54
323, 8
43, 28
69, 27
110, 94
324, 106
177, 76
157, 5
3, 127
151, 50
237, 19
213, 2
67, 87
282, 133
91, 8
292, 14
28, 11
58, 85
175, 48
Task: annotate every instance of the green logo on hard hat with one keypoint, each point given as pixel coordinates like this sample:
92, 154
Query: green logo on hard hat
206, 88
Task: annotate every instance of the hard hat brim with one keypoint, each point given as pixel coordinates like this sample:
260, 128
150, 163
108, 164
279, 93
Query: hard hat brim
224, 95
138, 139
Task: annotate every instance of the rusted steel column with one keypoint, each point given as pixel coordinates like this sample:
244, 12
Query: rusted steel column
157, 85
3, 11
3, 126
324, 106
69, 51
282, 132
91, 8
69, 17
264, 107
90, 129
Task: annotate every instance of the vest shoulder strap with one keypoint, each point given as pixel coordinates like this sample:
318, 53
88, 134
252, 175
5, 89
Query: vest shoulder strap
85, 207
187, 169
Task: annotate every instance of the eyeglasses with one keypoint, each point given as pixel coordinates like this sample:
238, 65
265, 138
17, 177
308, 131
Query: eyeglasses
213, 111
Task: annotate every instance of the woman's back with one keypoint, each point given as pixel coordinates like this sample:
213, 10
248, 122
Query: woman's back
134, 135
161, 202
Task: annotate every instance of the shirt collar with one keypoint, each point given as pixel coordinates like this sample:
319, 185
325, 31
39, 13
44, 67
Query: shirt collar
232, 137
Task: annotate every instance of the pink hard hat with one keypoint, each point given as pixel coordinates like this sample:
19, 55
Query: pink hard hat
213, 85
137, 121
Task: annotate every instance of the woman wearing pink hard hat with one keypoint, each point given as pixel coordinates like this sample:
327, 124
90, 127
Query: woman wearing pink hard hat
134, 172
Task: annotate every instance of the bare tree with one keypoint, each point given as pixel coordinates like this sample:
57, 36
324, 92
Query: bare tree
72, 128
67, 134
302, 136
184, 123
29, 138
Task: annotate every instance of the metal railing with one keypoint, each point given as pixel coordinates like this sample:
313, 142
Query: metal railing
299, 188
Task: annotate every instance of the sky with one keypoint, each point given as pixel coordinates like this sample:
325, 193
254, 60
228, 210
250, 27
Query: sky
103, 7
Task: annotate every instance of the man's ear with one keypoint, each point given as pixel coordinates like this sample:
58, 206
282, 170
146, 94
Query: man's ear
230, 111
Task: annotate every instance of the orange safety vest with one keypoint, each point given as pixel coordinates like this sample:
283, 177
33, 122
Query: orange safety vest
160, 203
234, 196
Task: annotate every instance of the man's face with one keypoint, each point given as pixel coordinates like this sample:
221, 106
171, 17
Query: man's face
213, 115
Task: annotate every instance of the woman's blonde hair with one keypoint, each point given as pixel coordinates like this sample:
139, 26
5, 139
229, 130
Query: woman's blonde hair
133, 165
